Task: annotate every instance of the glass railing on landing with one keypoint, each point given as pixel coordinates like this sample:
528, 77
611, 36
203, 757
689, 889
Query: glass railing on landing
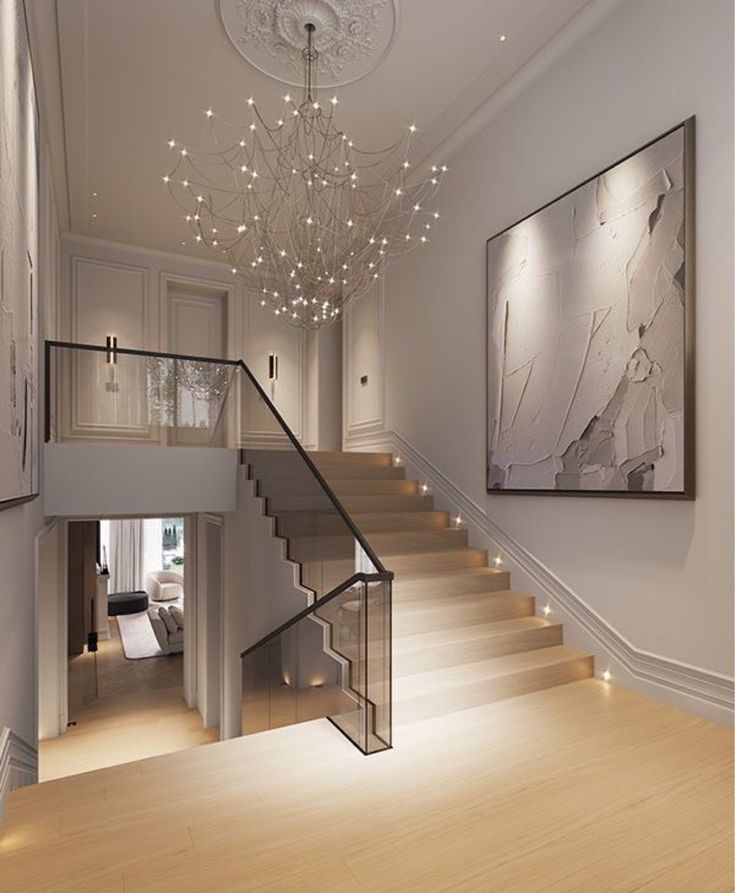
332, 658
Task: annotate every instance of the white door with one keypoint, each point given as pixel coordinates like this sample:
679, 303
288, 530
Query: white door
196, 325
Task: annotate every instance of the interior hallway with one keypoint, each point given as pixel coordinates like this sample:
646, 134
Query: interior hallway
584, 788
137, 712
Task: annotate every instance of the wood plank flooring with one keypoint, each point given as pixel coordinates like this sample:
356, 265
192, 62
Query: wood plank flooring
140, 712
513, 771
582, 788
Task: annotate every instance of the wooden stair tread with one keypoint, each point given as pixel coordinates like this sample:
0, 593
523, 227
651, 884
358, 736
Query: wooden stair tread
378, 522
465, 634
469, 674
461, 600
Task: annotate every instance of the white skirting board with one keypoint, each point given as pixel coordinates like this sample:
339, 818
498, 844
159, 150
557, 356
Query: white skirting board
18, 764
694, 689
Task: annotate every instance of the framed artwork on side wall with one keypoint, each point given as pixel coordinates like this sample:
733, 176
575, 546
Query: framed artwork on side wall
19, 323
590, 302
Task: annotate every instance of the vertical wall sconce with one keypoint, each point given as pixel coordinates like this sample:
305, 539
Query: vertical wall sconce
272, 367
111, 384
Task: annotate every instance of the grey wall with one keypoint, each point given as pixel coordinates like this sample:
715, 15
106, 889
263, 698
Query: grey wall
660, 572
19, 525
106, 480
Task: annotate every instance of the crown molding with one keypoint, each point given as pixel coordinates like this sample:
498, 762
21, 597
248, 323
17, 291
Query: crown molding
94, 242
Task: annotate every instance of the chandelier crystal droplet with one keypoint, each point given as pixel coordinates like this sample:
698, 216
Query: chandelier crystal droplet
306, 219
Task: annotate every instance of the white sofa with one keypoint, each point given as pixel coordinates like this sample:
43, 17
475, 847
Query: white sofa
164, 586
168, 626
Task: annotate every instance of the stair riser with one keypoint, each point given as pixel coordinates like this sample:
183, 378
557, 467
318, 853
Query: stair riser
283, 487
402, 593
324, 457
360, 471
339, 567
396, 543
494, 608
480, 649
326, 523
386, 545
367, 504
400, 521
438, 561
352, 504
289, 456
409, 661
424, 706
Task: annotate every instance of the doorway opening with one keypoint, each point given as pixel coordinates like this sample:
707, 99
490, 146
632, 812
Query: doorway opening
130, 592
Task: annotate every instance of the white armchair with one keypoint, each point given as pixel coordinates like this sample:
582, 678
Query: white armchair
164, 586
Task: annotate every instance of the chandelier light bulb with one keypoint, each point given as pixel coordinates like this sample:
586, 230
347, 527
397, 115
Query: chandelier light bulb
318, 205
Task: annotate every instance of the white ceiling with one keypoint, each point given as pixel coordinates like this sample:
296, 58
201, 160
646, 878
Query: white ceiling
128, 76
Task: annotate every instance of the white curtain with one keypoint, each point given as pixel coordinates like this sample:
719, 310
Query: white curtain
126, 556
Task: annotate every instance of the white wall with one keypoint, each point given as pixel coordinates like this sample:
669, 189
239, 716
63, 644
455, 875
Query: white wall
50, 551
110, 288
106, 480
364, 358
660, 572
259, 591
19, 525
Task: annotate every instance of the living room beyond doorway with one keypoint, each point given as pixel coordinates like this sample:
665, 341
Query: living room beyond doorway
126, 608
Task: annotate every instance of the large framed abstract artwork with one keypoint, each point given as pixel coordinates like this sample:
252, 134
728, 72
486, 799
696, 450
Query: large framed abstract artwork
19, 444
591, 334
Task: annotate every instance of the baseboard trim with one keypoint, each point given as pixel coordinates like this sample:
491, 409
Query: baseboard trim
18, 764
691, 688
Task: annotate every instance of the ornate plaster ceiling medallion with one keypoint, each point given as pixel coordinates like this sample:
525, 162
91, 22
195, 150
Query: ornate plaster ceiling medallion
351, 37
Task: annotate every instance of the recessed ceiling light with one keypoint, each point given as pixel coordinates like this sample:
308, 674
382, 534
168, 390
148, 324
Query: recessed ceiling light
94, 194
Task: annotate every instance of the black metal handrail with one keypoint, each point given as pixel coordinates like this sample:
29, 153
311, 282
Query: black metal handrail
360, 577
71, 345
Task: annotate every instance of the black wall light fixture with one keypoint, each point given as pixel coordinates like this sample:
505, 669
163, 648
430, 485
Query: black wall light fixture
272, 366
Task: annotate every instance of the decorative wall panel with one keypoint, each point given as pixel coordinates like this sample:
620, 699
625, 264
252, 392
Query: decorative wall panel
590, 312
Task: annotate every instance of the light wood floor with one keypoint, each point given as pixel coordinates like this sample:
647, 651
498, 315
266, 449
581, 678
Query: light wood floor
583, 788
139, 713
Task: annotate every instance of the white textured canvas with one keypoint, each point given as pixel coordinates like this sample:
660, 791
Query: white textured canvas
586, 335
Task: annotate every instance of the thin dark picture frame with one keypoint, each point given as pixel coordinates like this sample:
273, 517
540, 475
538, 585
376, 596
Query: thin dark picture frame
688, 128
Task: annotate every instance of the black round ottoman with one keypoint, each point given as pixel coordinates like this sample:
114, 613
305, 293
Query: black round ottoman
126, 603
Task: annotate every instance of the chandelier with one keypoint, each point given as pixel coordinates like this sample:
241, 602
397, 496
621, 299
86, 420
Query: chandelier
304, 217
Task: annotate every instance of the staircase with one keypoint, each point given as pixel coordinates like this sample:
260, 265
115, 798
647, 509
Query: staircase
461, 636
